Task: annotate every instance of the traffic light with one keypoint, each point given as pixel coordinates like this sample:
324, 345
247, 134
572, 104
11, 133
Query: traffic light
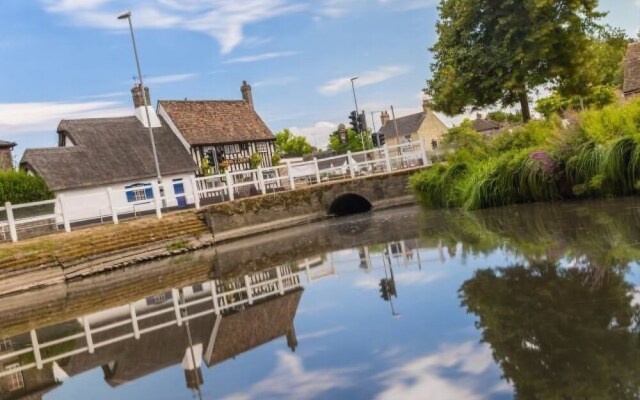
362, 122
354, 120
374, 139
380, 139
384, 290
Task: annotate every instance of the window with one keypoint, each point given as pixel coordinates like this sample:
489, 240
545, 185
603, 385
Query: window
231, 148
15, 380
244, 146
139, 192
262, 147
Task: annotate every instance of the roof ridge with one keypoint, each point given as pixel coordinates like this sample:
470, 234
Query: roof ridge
203, 101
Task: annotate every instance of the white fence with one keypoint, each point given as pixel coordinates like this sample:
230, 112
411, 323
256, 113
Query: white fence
61, 212
223, 296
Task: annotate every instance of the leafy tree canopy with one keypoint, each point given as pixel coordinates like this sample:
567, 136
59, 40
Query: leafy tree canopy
492, 52
353, 143
291, 145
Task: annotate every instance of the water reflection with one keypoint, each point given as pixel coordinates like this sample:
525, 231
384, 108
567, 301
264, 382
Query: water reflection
556, 332
540, 302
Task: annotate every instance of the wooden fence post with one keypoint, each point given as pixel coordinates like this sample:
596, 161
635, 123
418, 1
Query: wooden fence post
12, 222
114, 212
156, 197
229, 185
315, 164
65, 216
292, 181
196, 193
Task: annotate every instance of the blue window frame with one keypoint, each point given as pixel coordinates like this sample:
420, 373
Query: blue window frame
139, 192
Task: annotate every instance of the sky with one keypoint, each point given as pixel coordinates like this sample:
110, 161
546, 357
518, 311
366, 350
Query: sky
62, 59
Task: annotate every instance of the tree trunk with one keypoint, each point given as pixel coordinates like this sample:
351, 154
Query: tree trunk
524, 106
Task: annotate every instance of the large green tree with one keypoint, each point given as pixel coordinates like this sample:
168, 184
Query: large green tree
496, 51
291, 145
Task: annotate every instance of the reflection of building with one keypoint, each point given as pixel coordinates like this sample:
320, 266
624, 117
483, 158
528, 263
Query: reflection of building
211, 322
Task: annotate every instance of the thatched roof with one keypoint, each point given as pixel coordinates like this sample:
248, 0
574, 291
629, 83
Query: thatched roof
632, 69
106, 151
216, 122
7, 145
406, 125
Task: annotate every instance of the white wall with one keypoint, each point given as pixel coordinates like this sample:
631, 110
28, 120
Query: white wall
93, 202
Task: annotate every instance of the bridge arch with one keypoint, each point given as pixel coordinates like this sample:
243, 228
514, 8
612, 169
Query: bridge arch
348, 204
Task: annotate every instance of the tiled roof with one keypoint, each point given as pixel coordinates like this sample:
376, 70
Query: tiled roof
632, 69
406, 125
6, 145
216, 122
484, 125
107, 150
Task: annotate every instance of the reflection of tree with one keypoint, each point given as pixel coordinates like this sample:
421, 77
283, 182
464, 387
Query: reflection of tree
554, 334
603, 234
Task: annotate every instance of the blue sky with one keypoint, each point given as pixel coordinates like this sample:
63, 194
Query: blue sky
73, 58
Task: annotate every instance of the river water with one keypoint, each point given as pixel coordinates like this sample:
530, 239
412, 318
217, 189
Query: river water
535, 301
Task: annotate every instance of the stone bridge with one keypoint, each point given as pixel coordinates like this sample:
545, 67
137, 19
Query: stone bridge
279, 210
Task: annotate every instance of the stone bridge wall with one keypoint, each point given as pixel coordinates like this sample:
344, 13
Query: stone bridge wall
261, 214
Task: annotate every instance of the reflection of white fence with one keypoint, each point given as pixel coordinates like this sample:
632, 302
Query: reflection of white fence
216, 188
222, 296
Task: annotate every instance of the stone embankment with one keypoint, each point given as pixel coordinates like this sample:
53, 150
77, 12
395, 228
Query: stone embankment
67, 256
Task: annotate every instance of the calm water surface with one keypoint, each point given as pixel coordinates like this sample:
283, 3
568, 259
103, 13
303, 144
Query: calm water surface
534, 302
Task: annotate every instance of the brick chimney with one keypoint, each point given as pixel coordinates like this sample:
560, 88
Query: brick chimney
246, 93
136, 93
384, 118
140, 112
426, 105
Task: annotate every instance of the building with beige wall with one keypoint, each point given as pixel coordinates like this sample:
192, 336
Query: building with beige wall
411, 128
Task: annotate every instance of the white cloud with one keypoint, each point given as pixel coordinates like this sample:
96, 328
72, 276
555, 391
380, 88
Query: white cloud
45, 116
163, 79
321, 333
224, 20
318, 134
290, 380
407, 5
260, 57
280, 81
411, 278
368, 78
430, 376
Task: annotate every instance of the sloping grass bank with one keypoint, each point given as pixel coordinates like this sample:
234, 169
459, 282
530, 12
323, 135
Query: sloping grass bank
597, 156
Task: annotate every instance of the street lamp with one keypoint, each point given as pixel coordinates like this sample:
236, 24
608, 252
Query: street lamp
355, 100
127, 15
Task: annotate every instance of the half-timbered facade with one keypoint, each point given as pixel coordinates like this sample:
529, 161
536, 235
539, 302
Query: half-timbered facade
222, 135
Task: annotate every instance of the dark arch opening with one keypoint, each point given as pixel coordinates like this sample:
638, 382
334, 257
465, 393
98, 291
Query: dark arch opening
348, 204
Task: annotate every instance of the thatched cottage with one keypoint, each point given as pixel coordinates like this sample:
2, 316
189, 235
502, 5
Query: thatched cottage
6, 156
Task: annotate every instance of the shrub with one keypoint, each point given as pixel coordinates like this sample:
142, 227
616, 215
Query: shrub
19, 187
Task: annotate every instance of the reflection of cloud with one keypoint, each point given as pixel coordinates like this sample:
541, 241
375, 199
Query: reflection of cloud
290, 381
411, 278
431, 376
322, 333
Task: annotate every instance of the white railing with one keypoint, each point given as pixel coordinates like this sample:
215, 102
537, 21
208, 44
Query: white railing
215, 188
94, 333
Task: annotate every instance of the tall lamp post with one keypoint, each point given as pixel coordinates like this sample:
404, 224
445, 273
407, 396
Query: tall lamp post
127, 15
355, 100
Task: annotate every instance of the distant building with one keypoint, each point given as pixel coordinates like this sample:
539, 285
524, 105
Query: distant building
486, 126
227, 130
96, 154
631, 87
411, 128
6, 157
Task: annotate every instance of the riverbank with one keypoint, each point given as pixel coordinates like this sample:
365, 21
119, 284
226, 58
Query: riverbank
93, 250
595, 155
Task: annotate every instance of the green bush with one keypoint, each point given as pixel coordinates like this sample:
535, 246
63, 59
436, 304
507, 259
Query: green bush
19, 187
541, 161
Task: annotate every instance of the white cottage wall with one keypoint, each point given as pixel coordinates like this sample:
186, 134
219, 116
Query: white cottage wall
93, 203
